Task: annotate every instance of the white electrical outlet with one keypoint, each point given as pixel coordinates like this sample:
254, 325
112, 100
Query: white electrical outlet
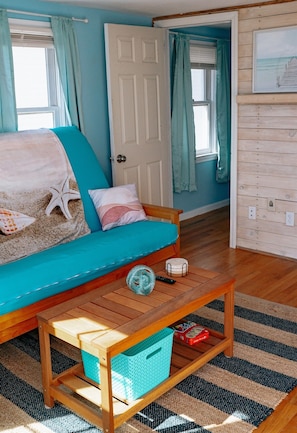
290, 217
252, 212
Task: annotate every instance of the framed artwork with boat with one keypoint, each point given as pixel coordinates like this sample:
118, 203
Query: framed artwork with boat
275, 60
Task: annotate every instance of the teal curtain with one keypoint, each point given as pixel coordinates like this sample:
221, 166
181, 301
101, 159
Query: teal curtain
69, 67
8, 112
182, 118
223, 109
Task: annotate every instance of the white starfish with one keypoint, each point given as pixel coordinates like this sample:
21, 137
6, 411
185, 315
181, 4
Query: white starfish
61, 194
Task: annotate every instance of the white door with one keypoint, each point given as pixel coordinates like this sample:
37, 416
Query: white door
139, 110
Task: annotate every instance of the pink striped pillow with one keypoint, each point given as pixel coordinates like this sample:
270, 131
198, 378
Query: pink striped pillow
117, 206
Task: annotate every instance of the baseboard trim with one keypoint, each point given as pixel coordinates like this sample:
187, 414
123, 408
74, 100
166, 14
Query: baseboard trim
204, 209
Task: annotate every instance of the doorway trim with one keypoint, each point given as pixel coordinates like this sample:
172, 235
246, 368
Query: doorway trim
212, 19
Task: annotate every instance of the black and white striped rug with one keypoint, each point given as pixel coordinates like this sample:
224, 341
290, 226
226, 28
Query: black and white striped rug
228, 395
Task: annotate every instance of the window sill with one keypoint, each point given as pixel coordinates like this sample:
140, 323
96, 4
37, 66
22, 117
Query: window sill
207, 157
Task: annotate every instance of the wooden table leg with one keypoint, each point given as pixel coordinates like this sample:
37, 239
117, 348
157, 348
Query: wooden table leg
106, 393
229, 320
46, 364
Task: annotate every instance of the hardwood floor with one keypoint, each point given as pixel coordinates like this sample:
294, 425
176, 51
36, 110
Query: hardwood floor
205, 243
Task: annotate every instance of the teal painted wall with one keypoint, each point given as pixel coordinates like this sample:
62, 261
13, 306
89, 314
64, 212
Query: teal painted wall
90, 39
208, 191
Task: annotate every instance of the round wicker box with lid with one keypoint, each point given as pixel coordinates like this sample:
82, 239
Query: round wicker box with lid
177, 267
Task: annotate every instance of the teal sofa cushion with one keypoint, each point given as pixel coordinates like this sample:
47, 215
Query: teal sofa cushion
68, 265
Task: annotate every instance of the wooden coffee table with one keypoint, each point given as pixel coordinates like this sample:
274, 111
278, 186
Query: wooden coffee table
109, 320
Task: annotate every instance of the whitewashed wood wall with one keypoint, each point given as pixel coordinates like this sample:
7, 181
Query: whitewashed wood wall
267, 145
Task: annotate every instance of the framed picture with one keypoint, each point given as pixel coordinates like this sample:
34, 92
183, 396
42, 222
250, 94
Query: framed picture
275, 60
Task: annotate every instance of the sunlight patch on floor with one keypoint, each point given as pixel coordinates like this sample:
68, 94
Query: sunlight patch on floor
30, 428
232, 419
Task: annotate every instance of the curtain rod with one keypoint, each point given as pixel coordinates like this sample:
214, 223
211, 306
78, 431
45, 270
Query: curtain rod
84, 20
192, 36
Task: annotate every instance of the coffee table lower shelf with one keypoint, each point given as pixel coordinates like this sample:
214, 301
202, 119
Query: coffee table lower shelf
83, 396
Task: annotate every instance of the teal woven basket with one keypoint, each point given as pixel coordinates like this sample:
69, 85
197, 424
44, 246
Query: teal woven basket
137, 370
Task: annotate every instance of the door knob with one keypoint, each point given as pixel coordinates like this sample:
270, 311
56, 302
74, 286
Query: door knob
121, 158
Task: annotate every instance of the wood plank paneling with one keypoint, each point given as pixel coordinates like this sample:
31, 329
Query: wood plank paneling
267, 145
267, 11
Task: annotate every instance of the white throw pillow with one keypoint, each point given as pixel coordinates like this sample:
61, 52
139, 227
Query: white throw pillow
117, 206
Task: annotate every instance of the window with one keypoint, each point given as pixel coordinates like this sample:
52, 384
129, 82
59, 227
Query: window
37, 84
203, 73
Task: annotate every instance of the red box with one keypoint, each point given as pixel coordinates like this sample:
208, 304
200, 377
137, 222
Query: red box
190, 332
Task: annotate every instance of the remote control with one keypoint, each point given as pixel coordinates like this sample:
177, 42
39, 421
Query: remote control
165, 279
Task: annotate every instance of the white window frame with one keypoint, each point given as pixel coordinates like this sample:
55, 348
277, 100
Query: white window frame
203, 56
28, 33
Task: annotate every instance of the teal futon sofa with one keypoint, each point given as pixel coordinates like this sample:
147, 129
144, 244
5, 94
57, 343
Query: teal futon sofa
48, 275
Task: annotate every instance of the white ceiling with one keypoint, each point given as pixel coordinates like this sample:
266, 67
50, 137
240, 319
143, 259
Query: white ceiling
157, 8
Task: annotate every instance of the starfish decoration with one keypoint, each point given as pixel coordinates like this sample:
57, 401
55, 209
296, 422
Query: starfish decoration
61, 194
